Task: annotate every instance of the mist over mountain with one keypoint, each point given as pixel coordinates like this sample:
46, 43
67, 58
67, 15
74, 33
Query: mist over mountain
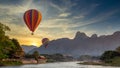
81, 44
27, 48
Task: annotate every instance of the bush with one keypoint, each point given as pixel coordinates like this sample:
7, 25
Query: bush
115, 61
107, 56
8, 63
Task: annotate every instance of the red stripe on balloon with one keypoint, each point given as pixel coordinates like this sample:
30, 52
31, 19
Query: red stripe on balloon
26, 20
35, 18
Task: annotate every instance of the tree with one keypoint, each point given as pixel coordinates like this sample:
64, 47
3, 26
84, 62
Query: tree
57, 57
18, 51
118, 49
3, 28
7, 46
36, 55
5, 43
29, 56
107, 56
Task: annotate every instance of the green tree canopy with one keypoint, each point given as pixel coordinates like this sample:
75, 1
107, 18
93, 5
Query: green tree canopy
36, 55
8, 47
3, 28
5, 43
107, 56
18, 51
118, 49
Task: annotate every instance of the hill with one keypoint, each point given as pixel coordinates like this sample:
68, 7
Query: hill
27, 48
81, 45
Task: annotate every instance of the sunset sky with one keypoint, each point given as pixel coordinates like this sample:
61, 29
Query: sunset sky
61, 18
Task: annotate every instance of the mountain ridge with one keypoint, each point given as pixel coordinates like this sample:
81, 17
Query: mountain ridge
27, 48
81, 44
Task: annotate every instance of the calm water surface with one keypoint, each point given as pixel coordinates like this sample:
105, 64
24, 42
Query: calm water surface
58, 65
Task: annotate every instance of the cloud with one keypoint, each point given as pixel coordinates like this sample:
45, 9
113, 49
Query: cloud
57, 7
98, 18
84, 11
64, 14
10, 2
66, 5
58, 23
102, 16
78, 17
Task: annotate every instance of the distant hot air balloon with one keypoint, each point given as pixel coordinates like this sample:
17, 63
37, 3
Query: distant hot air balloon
45, 42
32, 19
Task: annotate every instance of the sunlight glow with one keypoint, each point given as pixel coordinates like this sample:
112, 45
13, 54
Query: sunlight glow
35, 44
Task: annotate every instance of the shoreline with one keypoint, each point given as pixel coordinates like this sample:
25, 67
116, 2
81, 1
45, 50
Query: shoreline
99, 64
14, 63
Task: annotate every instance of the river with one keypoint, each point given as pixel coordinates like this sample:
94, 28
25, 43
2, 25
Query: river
58, 65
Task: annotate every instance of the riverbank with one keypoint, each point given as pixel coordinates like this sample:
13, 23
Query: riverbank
58, 65
10, 63
15, 62
100, 63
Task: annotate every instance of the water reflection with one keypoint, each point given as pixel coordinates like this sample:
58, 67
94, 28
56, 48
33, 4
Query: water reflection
58, 65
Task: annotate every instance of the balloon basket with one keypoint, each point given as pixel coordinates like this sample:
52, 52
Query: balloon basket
32, 33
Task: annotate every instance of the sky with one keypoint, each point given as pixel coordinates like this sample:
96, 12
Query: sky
60, 18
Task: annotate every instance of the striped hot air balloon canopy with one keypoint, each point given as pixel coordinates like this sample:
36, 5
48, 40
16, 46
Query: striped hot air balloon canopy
32, 19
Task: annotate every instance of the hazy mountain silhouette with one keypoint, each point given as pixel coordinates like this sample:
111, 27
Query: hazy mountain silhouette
81, 45
27, 48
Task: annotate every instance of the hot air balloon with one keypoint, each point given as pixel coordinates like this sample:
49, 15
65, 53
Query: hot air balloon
32, 19
45, 42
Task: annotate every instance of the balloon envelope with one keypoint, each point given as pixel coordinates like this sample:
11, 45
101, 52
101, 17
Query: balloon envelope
45, 41
32, 19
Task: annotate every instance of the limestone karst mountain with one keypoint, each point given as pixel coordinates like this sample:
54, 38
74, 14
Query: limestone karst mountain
81, 45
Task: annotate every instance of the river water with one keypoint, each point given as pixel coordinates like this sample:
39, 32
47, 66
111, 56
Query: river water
59, 65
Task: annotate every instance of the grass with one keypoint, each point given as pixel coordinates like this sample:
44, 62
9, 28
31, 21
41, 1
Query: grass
10, 63
115, 61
